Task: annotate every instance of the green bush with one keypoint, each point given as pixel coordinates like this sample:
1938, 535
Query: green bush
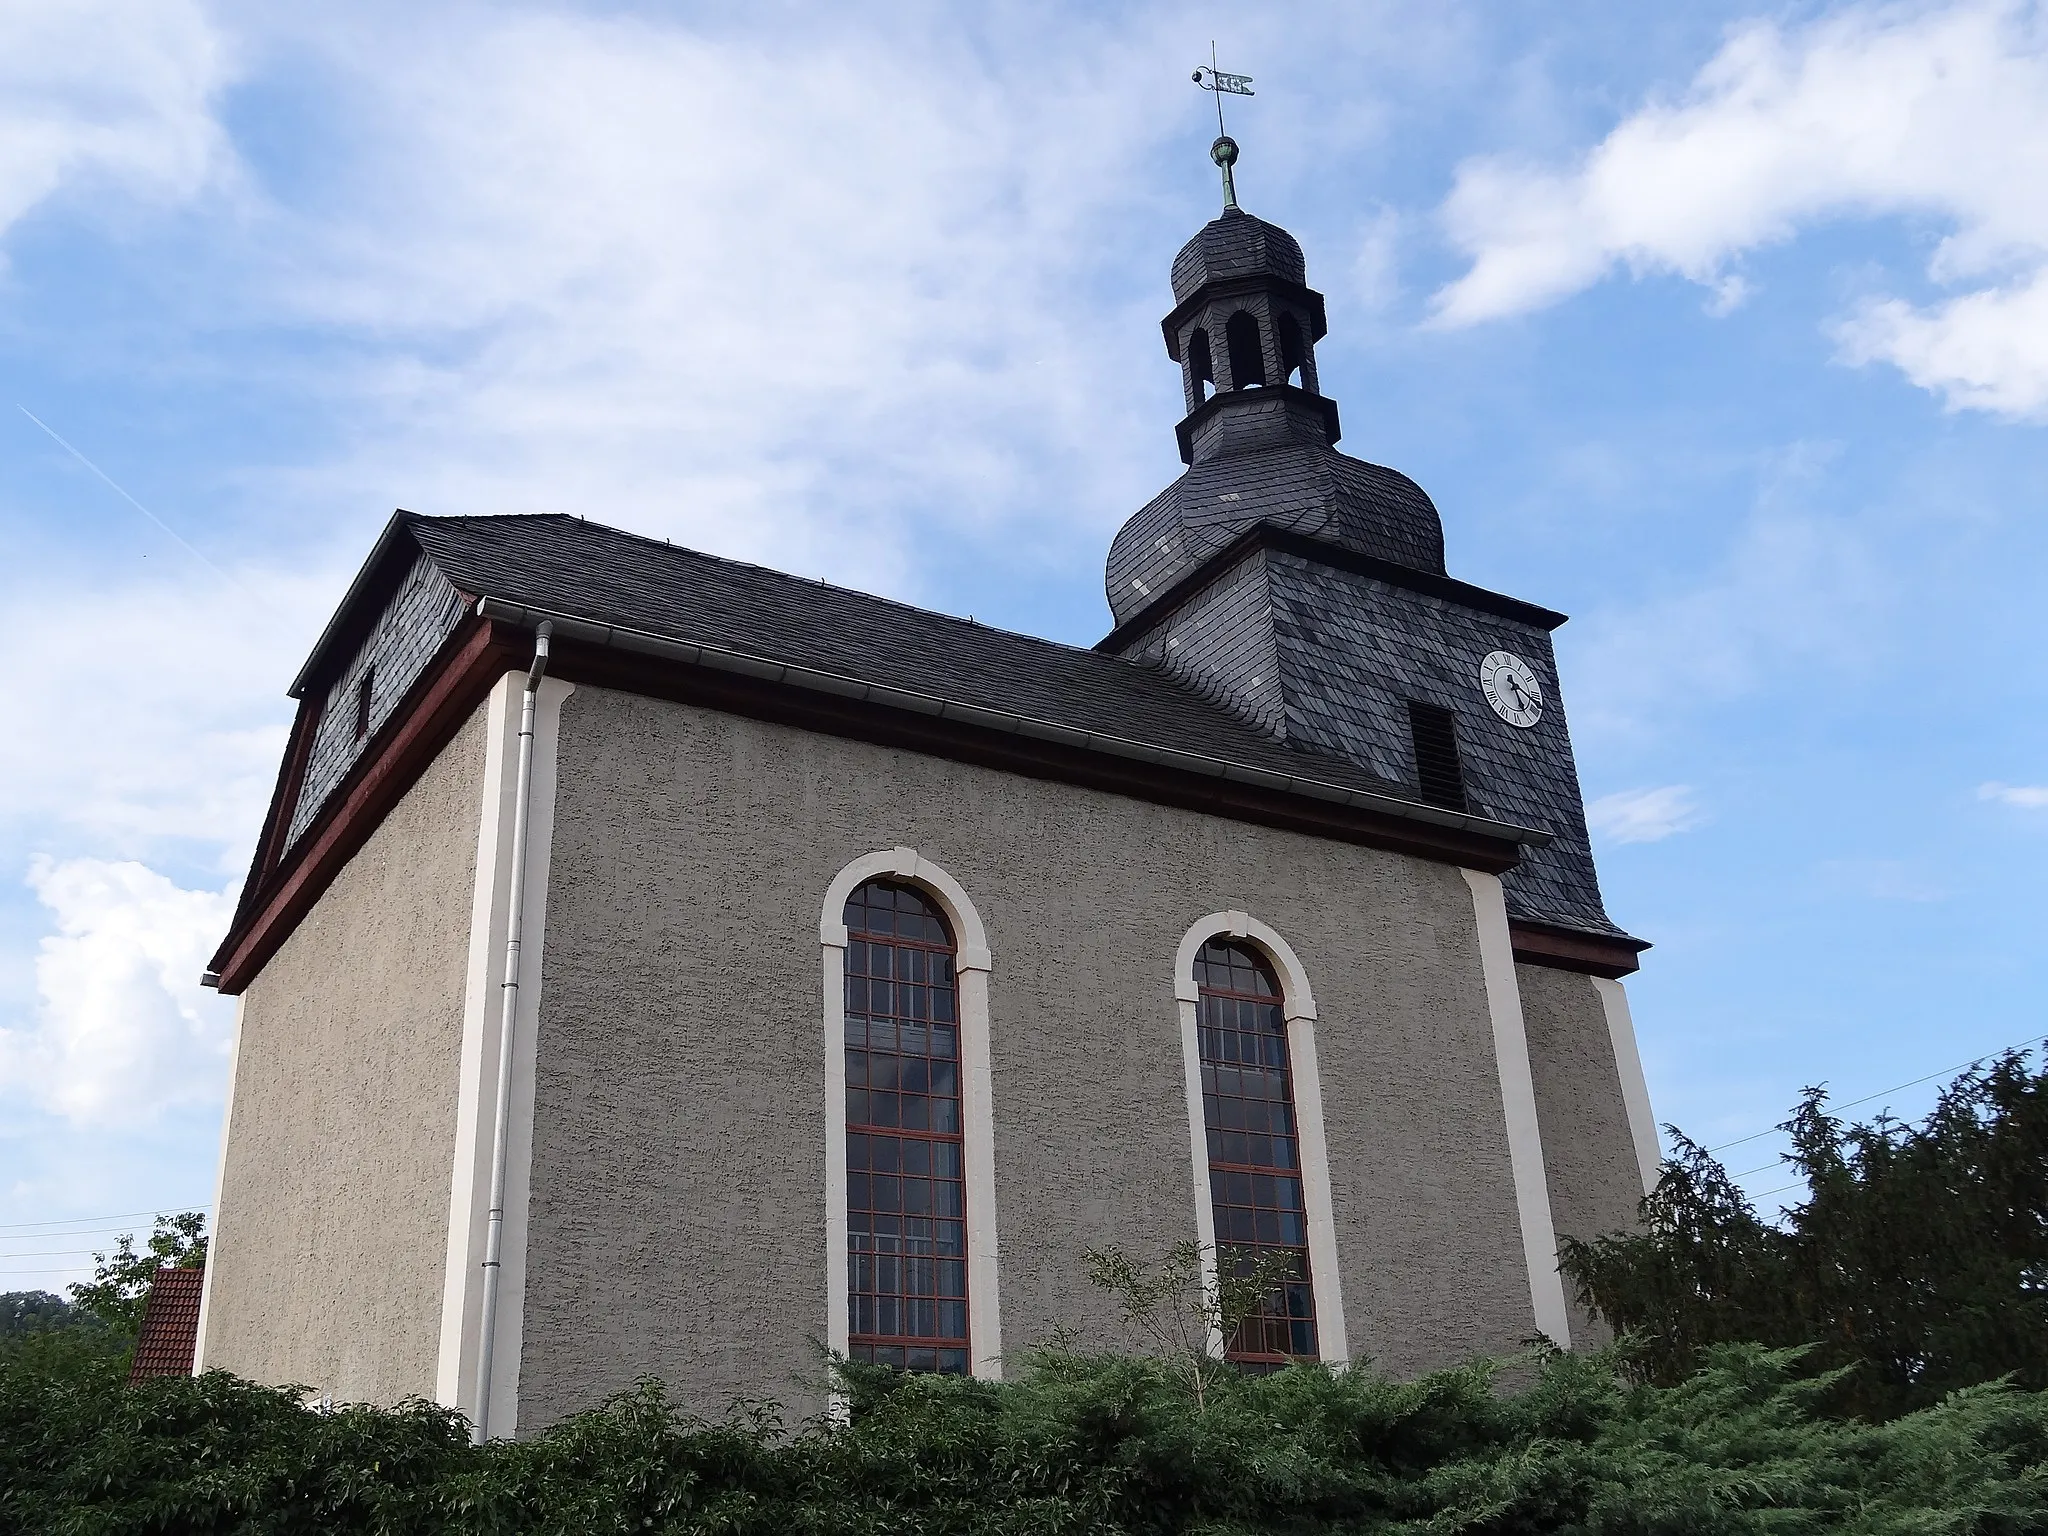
1094, 1444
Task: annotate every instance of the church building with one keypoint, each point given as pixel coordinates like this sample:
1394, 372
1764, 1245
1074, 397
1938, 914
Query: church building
659, 965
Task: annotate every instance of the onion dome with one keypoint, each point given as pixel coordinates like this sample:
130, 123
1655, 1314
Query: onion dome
1234, 245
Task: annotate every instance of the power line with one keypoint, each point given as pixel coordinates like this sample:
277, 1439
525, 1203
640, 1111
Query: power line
72, 1221
1852, 1103
80, 1228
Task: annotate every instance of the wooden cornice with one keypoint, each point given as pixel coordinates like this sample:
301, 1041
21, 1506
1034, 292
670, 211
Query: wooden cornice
1569, 949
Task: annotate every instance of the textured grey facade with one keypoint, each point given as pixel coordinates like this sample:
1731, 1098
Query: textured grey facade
411, 628
678, 1208
327, 1261
1588, 1151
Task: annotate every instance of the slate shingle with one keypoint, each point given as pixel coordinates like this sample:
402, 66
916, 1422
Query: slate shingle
1237, 244
1328, 658
586, 570
1307, 488
404, 639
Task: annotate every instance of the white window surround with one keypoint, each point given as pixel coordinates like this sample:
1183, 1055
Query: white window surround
971, 968
1298, 1004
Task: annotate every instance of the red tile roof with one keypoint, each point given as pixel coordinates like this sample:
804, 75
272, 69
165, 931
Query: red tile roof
170, 1325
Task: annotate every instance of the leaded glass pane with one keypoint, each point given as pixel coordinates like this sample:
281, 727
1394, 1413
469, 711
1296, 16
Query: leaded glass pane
906, 1198
1254, 1160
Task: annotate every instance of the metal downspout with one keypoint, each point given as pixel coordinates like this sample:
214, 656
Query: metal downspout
501, 1142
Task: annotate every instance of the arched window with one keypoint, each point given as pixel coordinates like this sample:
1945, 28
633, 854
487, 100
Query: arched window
906, 1255
1247, 358
1255, 1185
1292, 352
1201, 366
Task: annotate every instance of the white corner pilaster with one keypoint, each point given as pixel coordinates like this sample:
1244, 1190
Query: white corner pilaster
220, 1179
1518, 1103
469, 1186
1635, 1088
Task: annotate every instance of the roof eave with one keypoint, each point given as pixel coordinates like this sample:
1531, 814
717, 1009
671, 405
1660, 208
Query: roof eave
597, 632
396, 530
1160, 605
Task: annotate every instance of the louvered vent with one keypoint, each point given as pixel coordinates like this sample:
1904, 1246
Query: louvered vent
1438, 774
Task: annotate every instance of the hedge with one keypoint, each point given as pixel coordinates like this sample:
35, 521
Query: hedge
1075, 1444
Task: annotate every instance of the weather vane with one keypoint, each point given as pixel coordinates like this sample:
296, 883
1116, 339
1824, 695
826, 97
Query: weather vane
1224, 150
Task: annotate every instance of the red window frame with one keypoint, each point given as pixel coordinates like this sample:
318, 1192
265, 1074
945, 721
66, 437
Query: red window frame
906, 1259
1255, 1184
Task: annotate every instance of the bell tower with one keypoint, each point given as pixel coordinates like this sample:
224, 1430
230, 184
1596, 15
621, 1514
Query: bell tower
1243, 316
1305, 590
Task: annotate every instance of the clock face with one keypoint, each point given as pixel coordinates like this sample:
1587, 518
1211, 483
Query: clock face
1511, 688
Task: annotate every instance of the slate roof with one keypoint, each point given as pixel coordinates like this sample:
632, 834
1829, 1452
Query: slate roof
1237, 244
586, 570
1306, 487
170, 1325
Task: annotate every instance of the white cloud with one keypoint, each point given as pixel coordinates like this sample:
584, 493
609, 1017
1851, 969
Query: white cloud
1730, 292
1644, 815
146, 721
148, 715
1929, 112
726, 290
2025, 797
122, 1028
1803, 585
1376, 273
108, 92
1880, 880
1986, 350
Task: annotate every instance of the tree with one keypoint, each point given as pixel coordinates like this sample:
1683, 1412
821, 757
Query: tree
1919, 1260
121, 1280
30, 1312
1179, 1312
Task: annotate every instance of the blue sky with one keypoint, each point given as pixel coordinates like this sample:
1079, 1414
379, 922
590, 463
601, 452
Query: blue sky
1723, 329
